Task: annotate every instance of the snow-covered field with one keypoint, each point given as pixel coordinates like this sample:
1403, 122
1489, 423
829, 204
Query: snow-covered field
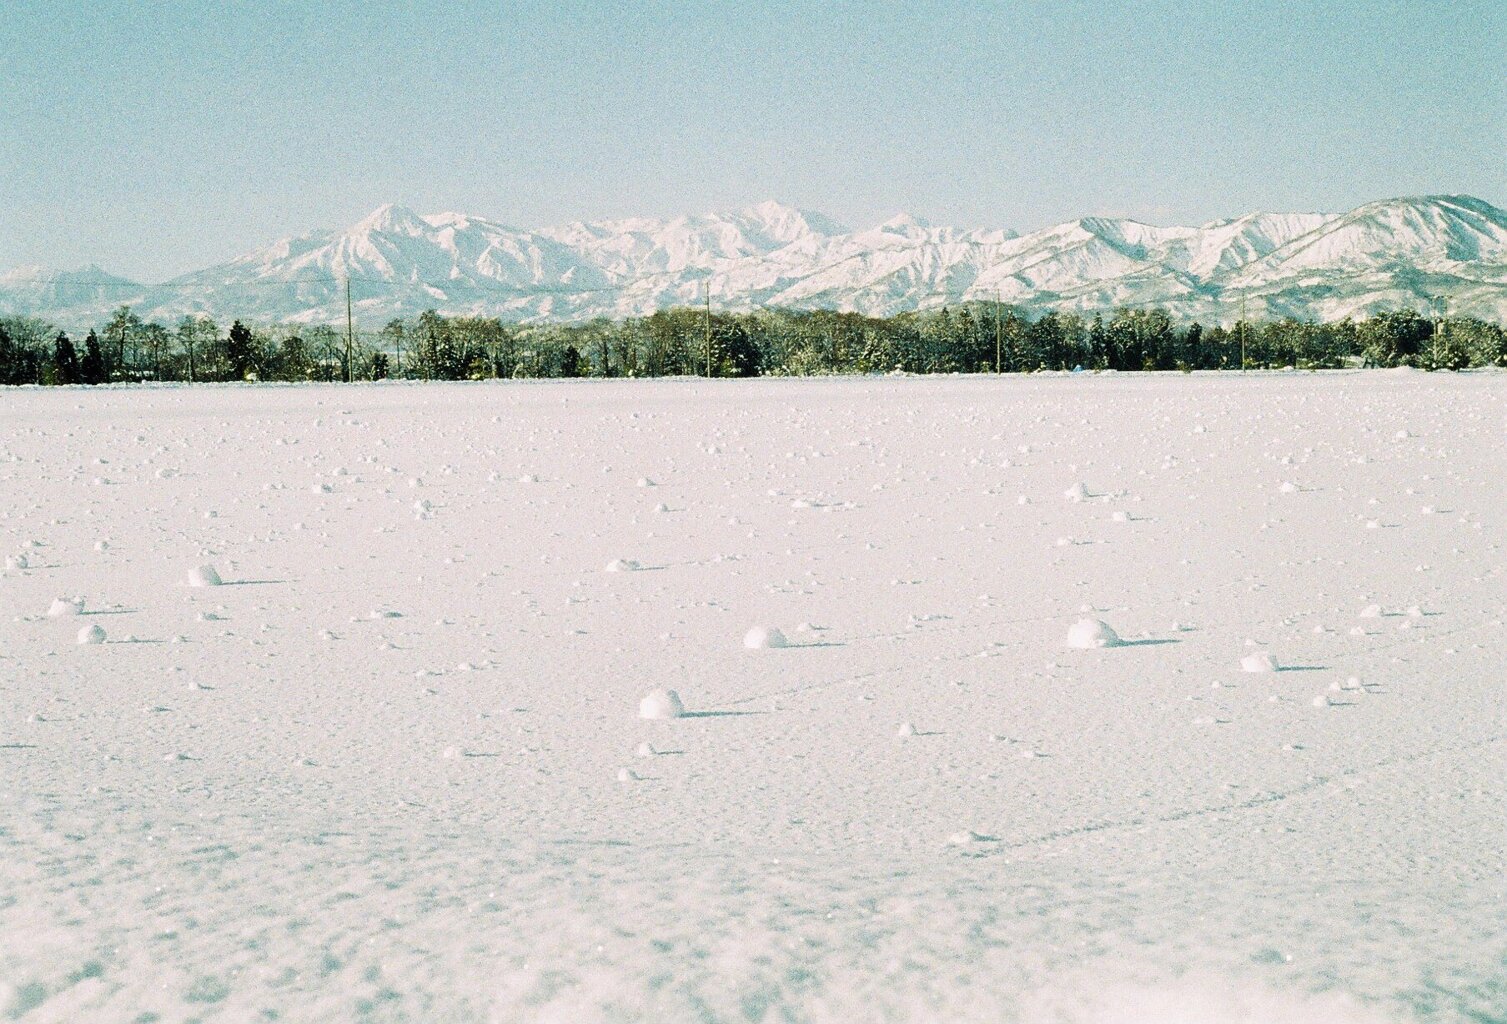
393, 769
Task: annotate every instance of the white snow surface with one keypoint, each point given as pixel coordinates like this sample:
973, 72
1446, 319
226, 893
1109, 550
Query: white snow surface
260, 801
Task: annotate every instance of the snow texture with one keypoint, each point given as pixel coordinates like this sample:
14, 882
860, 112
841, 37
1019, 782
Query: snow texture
263, 801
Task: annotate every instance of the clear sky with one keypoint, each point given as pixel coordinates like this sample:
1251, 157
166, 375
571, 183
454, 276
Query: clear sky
157, 137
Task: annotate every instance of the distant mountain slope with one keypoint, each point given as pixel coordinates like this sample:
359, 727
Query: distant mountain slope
1384, 255
36, 289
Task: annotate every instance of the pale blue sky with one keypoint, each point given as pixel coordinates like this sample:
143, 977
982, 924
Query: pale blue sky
159, 137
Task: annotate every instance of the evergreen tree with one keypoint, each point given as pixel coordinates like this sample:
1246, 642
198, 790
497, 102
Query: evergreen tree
1483, 342
1394, 339
435, 355
1193, 345
65, 368
1046, 341
92, 366
10, 358
737, 351
1154, 328
969, 354
1124, 342
25, 350
240, 354
1098, 343
879, 354
293, 361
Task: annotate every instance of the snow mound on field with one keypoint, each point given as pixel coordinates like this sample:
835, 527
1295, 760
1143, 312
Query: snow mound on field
1258, 661
91, 635
661, 704
763, 637
1088, 634
64, 606
623, 565
204, 576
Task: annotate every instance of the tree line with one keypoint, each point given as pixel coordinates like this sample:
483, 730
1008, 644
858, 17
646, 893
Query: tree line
968, 338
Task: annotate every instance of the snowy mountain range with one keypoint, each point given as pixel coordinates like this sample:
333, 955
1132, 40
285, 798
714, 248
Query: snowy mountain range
1381, 256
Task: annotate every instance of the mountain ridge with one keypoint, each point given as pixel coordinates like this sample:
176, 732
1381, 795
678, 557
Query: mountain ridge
1378, 256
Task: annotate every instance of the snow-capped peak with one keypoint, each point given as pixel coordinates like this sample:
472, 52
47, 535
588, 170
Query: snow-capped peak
788, 223
390, 218
905, 224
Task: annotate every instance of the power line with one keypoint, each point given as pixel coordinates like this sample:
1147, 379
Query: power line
334, 286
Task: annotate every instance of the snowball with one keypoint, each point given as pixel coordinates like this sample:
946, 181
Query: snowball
967, 837
905, 730
661, 704
623, 565
204, 576
1258, 661
1371, 611
764, 637
1087, 634
91, 635
1077, 492
62, 606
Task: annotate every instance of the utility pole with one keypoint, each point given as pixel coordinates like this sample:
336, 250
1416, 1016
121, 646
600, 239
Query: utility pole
1443, 311
1242, 332
706, 287
349, 334
998, 345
